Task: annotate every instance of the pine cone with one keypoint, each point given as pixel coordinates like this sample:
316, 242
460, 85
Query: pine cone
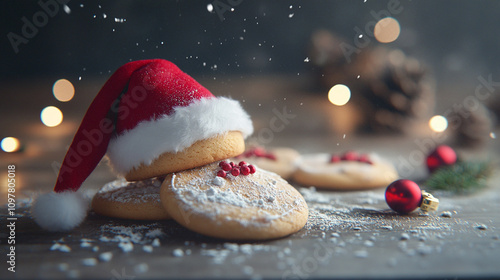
470, 127
394, 91
390, 90
494, 106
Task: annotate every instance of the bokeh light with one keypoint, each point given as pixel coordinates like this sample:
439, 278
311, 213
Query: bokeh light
438, 123
339, 95
387, 30
63, 90
10, 144
51, 116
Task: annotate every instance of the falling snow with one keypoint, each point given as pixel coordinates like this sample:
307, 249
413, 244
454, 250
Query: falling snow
67, 9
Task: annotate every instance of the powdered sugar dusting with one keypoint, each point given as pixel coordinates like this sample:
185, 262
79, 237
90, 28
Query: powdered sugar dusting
204, 194
132, 192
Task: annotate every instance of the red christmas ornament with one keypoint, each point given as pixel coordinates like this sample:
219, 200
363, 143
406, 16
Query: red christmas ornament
442, 156
403, 196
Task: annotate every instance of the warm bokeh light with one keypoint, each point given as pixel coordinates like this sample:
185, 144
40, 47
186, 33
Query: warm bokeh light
493, 135
387, 30
63, 90
438, 123
51, 116
339, 95
10, 144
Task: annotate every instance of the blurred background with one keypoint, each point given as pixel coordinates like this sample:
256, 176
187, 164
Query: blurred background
369, 75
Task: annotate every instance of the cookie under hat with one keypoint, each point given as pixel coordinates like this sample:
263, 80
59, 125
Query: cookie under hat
151, 119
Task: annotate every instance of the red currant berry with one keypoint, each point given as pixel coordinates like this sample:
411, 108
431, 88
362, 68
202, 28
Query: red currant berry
235, 171
226, 166
350, 156
221, 173
364, 158
335, 159
252, 169
271, 156
245, 170
222, 163
242, 163
232, 164
259, 152
248, 154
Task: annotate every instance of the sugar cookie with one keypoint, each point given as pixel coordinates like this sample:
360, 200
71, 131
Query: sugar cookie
130, 200
278, 160
244, 207
347, 172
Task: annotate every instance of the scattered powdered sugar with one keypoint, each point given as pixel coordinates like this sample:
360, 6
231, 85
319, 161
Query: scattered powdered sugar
126, 246
89, 262
106, 256
205, 194
131, 192
60, 247
127, 236
178, 253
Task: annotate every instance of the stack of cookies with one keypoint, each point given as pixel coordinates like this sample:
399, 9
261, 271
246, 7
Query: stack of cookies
169, 137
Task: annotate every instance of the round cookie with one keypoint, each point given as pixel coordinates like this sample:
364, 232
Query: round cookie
367, 172
202, 152
130, 200
281, 161
253, 207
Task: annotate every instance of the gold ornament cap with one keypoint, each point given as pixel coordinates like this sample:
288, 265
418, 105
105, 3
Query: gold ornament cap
429, 202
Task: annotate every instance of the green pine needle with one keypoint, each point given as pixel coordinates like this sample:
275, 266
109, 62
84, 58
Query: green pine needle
460, 178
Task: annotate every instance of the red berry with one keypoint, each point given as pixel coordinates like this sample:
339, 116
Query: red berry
242, 163
252, 169
245, 170
248, 154
442, 156
235, 171
350, 156
221, 173
226, 166
259, 152
232, 164
364, 158
221, 163
334, 159
270, 156
403, 196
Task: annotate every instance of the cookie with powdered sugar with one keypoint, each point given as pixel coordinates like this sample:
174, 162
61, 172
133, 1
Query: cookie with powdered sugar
252, 205
138, 200
349, 171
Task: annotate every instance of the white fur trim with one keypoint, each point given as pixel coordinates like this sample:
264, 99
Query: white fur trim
59, 211
199, 120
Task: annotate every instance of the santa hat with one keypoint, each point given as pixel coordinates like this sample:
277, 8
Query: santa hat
145, 109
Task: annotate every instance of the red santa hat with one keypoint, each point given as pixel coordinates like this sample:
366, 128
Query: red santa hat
145, 109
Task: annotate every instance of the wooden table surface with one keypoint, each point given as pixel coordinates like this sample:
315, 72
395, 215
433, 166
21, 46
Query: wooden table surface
348, 234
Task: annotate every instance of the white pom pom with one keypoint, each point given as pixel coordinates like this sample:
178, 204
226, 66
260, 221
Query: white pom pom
59, 211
